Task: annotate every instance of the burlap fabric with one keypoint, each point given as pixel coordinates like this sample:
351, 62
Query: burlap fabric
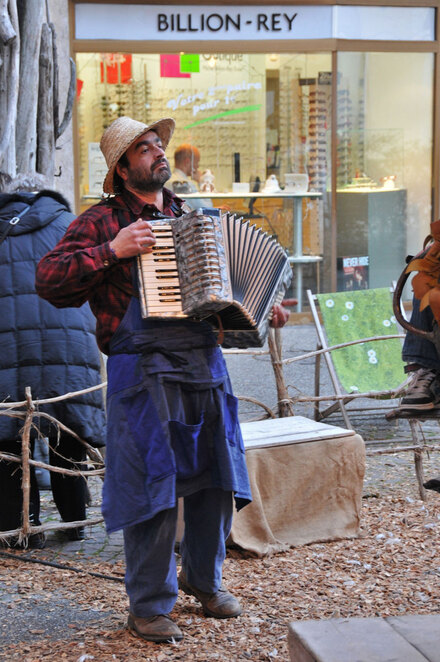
302, 493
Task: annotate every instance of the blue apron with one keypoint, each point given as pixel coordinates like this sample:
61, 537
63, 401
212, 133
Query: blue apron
172, 420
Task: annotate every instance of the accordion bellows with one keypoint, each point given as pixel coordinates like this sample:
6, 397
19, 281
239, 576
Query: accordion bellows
212, 265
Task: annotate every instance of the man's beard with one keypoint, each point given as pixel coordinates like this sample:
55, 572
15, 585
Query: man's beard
139, 182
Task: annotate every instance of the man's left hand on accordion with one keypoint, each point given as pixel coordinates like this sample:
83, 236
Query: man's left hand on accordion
280, 315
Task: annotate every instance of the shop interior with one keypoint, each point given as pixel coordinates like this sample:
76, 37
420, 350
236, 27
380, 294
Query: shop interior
263, 124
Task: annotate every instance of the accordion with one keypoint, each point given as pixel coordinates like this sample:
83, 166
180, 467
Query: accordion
210, 265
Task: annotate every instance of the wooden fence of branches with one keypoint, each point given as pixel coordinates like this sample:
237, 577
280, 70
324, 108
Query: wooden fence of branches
28, 411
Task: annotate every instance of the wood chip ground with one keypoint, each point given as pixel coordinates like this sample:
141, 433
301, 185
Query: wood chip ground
393, 568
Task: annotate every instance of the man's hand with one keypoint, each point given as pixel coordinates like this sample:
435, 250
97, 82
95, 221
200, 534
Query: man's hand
280, 315
196, 175
136, 239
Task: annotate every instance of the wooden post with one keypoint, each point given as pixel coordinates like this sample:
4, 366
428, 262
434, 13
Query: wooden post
418, 456
25, 454
316, 411
275, 348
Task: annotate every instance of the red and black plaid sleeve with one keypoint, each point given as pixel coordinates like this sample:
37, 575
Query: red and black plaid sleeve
68, 273
82, 267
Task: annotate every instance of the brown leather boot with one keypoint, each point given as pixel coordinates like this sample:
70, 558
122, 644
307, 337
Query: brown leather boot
160, 628
220, 604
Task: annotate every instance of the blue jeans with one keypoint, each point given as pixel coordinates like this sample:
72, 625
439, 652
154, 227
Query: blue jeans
151, 574
417, 349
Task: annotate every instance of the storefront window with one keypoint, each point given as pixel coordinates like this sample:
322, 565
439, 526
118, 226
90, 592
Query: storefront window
256, 119
260, 107
384, 155
259, 119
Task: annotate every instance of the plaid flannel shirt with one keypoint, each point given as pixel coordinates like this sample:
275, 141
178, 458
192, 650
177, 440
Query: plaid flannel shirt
82, 267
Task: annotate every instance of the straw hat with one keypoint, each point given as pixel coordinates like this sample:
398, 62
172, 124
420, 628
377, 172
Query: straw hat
121, 133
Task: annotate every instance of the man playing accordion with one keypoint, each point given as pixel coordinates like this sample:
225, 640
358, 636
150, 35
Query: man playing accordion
172, 426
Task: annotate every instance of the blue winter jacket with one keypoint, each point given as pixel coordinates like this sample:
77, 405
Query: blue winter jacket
51, 350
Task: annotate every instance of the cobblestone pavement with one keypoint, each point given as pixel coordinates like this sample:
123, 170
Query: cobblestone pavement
384, 473
253, 376
97, 545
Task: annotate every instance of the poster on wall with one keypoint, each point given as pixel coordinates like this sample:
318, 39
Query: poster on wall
353, 273
116, 68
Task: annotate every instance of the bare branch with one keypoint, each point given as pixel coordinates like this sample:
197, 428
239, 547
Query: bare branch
246, 398
45, 120
25, 453
9, 457
340, 346
50, 526
69, 103
58, 398
284, 403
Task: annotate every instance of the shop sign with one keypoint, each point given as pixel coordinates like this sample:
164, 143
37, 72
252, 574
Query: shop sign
195, 22
209, 22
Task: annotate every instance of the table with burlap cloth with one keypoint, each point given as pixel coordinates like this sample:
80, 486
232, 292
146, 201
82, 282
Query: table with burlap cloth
306, 479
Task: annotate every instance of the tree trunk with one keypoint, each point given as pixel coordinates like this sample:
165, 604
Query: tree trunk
7, 31
29, 96
45, 127
26, 133
9, 88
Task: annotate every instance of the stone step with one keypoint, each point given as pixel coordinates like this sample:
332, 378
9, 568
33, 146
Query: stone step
412, 638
